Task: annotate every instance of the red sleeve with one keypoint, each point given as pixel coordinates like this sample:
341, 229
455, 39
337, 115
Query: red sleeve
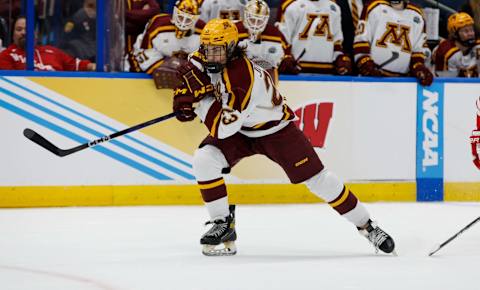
70, 63
6, 61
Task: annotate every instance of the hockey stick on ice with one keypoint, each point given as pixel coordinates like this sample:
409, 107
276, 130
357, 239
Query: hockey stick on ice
394, 56
40, 140
454, 236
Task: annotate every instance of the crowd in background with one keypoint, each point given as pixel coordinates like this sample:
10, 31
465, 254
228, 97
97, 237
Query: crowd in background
355, 37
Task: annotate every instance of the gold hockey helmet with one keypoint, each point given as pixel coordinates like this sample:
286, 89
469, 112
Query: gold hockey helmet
219, 32
457, 21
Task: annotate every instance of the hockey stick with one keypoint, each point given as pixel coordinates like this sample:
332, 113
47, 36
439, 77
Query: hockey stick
301, 55
394, 56
40, 140
454, 236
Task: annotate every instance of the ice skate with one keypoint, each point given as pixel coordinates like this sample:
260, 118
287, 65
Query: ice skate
221, 233
378, 238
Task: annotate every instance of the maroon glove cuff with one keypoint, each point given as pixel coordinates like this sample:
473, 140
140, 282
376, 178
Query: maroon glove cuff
343, 65
422, 73
289, 66
367, 67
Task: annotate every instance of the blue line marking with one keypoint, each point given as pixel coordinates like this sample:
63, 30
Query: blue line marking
98, 134
96, 122
80, 139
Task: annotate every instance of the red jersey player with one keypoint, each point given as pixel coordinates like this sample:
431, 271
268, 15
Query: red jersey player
475, 139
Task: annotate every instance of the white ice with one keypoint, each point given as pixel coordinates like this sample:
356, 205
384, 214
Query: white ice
280, 247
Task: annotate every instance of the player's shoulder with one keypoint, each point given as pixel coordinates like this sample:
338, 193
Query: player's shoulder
239, 79
238, 63
374, 5
199, 25
161, 21
334, 7
446, 47
242, 30
415, 8
11, 48
48, 49
272, 30
294, 5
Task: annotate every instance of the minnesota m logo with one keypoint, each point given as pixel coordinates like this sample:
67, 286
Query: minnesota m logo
322, 28
398, 35
313, 120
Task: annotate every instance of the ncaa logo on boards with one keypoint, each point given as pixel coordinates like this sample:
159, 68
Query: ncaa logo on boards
314, 120
430, 126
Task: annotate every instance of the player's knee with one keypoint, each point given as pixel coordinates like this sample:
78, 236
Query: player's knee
208, 162
325, 184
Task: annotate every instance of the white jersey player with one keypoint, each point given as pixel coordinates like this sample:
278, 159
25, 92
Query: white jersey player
390, 40
223, 9
313, 29
458, 56
264, 43
166, 36
245, 115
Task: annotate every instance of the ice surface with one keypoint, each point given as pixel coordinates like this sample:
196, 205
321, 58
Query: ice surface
281, 247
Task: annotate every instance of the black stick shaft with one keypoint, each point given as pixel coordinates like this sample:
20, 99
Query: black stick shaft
40, 140
455, 236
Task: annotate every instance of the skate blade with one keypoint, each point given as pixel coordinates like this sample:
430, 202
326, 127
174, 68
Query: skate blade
229, 249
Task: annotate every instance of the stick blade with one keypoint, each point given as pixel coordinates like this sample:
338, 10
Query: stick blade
41, 141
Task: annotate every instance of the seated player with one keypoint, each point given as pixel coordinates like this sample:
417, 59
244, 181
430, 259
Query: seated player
264, 43
166, 36
459, 55
391, 41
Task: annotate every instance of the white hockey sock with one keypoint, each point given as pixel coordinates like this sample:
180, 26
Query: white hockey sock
218, 208
359, 216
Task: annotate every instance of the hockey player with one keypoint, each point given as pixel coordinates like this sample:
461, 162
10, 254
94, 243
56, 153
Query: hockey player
246, 115
459, 55
264, 43
475, 139
391, 40
166, 36
224, 9
313, 29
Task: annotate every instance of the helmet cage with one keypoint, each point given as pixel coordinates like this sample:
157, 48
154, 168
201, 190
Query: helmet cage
255, 23
183, 20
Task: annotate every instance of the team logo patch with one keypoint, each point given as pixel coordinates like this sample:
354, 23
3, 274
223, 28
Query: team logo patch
314, 120
333, 8
416, 19
272, 49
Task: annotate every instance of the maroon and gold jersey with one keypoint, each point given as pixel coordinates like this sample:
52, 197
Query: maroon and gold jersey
314, 31
246, 101
269, 47
384, 31
161, 39
450, 61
